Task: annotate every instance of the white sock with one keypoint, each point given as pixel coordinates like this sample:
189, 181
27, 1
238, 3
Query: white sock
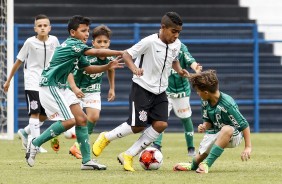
27, 129
119, 132
34, 127
148, 136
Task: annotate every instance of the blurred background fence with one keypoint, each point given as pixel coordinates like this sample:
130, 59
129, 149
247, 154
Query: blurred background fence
247, 69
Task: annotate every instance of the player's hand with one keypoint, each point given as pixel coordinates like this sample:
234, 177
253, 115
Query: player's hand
246, 154
116, 63
78, 93
111, 95
138, 72
184, 73
199, 68
201, 128
6, 86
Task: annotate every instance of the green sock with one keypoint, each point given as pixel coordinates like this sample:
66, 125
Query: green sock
215, 152
158, 141
83, 141
90, 126
188, 131
194, 164
24, 133
53, 131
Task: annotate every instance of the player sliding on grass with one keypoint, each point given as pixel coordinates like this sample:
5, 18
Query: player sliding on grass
60, 103
223, 124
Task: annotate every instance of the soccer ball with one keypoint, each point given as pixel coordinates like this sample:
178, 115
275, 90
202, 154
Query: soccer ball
70, 133
151, 159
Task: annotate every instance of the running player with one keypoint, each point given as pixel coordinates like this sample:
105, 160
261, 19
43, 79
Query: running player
155, 56
223, 124
87, 87
60, 103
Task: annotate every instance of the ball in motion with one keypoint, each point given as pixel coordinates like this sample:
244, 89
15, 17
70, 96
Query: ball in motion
151, 159
70, 133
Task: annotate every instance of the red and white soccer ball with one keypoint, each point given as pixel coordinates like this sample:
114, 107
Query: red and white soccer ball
70, 133
151, 159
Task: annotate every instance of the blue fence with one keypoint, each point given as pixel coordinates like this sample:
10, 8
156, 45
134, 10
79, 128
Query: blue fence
128, 34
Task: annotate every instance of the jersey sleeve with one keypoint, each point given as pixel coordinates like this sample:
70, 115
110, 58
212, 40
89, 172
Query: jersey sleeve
83, 62
186, 56
139, 48
23, 54
234, 116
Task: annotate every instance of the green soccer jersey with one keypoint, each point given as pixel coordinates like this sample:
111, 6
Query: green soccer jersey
66, 57
178, 86
89, 83
225, 112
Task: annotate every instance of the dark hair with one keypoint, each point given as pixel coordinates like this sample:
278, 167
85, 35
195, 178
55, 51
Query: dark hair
40, 16
101, 30
205, 81
171, 18
76, 20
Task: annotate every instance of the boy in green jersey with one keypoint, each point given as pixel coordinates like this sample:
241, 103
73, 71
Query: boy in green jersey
178, 94
87, 87
223, 124
60, 103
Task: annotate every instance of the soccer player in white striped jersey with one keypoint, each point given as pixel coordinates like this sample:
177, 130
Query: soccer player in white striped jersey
155, 56
35, 54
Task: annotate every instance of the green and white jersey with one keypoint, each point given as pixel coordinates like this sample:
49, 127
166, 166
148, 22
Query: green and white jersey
225, 112
179, 87
66, 57
89, 83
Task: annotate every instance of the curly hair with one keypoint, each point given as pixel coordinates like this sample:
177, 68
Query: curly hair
205, 81
101, 30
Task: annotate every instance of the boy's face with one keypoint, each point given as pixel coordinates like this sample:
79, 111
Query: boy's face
82, 33
42, 27
101, 42
170, 34
203, 94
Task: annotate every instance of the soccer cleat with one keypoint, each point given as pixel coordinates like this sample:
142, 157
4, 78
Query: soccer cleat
23, 138
126, 161
182, 167
75, 151
55, 144
157, 147
191, 151
42, 150
100, 144
93, 165
203, 168
31, 153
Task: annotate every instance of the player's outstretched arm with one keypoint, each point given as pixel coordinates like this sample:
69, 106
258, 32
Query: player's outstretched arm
103, 52
182, 72
196, 67
130, 64
116, 63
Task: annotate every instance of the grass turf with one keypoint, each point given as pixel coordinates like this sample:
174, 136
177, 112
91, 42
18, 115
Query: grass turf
264, 167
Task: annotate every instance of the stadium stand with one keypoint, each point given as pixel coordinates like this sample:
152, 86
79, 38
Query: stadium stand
234, 62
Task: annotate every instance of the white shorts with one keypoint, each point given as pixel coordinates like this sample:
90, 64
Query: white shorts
56, 102
209, 140
91, 100
181, 107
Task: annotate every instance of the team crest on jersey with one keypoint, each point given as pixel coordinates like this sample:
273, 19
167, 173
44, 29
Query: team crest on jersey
143, 116
174, 52
33, 105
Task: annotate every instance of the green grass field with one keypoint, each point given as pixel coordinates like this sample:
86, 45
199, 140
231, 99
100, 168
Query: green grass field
265, 165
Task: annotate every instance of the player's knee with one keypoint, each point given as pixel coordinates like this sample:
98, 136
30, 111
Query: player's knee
227, 130
137, 129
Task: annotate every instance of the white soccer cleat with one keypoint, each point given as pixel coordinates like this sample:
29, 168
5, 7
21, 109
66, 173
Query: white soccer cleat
30, 154
42, 150
23, 138
93, 165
